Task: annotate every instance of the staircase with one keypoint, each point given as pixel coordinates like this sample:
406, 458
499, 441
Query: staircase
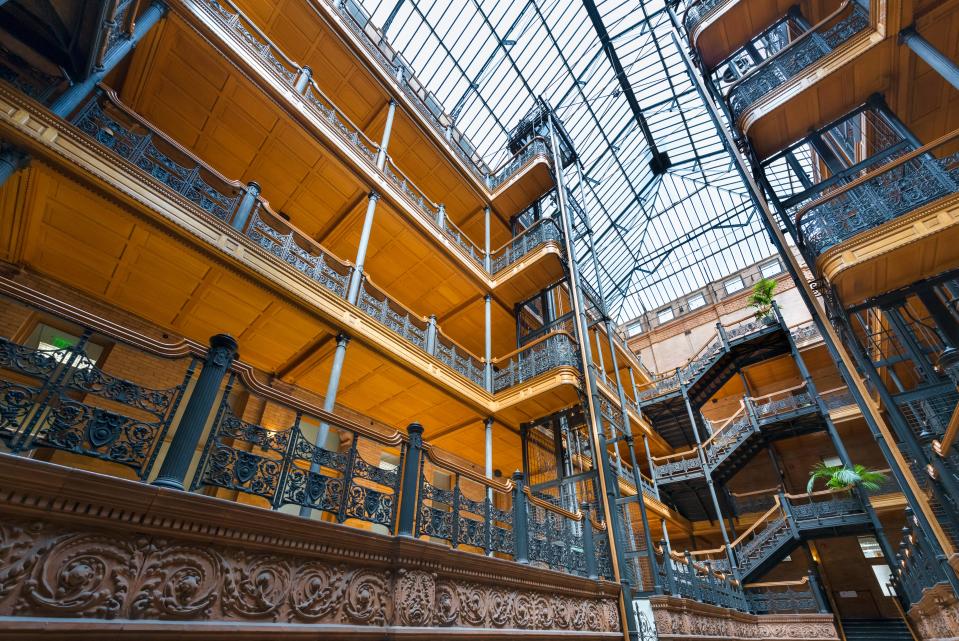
733, 348
876, 630
734, 440
792, 519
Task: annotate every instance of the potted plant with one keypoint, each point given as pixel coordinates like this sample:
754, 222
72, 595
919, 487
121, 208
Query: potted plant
840, 477
762, 300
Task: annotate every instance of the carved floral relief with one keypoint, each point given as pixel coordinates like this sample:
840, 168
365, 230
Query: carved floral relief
47, 570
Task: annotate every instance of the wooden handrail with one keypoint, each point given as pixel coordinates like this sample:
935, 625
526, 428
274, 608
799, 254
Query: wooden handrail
776, 584
765, 490
546, 505
949, 438
776, 393
881, 170
777, 506
720, 550
444, 459
530, 344
807, 495
774, 58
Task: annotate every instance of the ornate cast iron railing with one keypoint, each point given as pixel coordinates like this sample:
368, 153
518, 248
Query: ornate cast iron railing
536, 148
755, 501
917, 569
682, 575
286, 467
392, 62
801, 54
287, 72
836, 398
353, 472
784, 401
297, 250
541, 232
780, 597
466, 510
61, 399
914, 180
425, 103
549, 352
805, 333
105, 119
697, 12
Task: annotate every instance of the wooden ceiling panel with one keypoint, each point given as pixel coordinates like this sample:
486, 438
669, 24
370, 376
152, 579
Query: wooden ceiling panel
190, 77
292, 24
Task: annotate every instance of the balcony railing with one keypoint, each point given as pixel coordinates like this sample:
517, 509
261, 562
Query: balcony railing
914, 180
302, 459
801, 54
781, 597
702, 581
549, 352
537, 147
375, 43
58, 398
697, 12
105, 119
917, 569
541, 232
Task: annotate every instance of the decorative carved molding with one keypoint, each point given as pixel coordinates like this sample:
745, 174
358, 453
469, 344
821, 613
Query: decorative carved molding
936, 616
680, 619
81, 545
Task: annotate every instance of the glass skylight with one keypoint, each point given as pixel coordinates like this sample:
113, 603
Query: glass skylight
658, 237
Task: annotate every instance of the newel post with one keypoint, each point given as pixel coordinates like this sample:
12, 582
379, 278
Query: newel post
177, 460
411, 477
589, 546
520, 520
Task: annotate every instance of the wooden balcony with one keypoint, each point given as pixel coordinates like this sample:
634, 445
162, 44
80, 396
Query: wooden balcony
523, 179
891, 227
818, 77
717, 28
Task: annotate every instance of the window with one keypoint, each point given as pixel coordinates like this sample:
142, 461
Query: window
634, 329
665, 315
50, 339
884, 576
870, 547
771, 269
734, 285
696, 301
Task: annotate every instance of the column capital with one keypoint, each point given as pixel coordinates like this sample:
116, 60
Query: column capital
373, 195
487, 297
223, 349
342, 339
488, 421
